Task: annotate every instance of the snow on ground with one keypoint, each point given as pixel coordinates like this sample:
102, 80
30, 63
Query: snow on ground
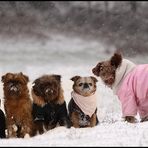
71, 56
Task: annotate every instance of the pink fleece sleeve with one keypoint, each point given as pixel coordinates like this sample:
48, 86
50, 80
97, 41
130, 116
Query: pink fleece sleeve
128, 102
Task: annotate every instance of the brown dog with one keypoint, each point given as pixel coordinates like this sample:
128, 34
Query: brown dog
109, 72
83, 106
49, 107
17, 104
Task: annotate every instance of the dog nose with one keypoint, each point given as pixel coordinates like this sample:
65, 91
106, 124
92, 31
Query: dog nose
93, 70
110, 80
13, 88
85, 85
48, 91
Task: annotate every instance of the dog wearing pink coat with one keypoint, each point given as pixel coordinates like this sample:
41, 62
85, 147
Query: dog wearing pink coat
129, 82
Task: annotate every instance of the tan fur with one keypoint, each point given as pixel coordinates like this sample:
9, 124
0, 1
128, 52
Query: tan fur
37, 99
83, 80
61, 97
75, 119
93, 120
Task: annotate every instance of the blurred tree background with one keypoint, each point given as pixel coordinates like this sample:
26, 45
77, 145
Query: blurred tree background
123, 24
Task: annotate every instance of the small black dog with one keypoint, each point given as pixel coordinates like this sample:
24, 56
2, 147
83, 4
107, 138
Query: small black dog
2, 124
49, 106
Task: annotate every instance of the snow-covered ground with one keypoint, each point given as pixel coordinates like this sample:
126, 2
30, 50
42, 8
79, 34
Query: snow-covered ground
69, 56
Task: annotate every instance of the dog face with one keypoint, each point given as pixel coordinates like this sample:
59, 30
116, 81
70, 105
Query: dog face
48, 87
107, 69
15, 83
84, 86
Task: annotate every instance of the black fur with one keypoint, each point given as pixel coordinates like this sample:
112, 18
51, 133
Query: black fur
2, 124
51, 114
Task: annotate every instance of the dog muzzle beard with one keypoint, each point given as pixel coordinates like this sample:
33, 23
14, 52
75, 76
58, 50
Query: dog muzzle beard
49, 91
14, 90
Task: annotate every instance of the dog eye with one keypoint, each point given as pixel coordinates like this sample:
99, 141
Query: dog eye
101, 68
90, 84
80, 84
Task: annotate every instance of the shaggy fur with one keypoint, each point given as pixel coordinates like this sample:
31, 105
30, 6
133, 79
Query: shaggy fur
106, 70
49, 106
77, 116
17, 104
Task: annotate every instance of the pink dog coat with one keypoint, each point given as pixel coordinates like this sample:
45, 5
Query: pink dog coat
133, 90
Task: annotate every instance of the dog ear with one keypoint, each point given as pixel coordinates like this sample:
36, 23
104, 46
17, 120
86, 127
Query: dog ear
4, 77
94, 79
36, 81
57, 77
116, 60
75, 78
96, 69
26, 78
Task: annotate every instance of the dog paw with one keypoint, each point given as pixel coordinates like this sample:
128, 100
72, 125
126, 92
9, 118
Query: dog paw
130, 119
27, 136
14, 127
144, 119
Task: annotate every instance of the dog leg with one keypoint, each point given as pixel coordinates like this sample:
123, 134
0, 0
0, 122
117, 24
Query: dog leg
24, 130
50, 126
75, 119
12, 131
93, 120
11, 127
65, 121
144, 119
39, 127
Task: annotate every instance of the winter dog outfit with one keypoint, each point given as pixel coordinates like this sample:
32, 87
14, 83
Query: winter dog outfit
52, 114
131, 86
85, 106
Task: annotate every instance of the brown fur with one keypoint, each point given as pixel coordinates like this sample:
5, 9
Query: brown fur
37, 94
18, 106
37, 99
78, 87
41, 102
106, 71
130, 119
75, 120
40, 98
